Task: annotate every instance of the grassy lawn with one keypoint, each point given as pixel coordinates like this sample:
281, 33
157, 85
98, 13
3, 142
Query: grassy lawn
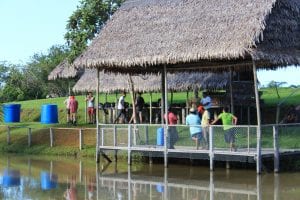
30, 117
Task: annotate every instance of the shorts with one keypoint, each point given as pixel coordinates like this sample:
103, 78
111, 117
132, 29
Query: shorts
91, 110
229, 135
68, 111
197, 135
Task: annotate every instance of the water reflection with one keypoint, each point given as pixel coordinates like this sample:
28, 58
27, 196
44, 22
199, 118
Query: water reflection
35, 178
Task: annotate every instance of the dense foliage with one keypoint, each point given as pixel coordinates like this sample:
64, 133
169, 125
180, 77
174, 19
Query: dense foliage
86, 22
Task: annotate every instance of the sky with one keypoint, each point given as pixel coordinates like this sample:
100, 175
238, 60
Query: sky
33, 26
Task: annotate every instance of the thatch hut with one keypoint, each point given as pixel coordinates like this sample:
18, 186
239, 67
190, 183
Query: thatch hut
64, 70
147, 34
213, 35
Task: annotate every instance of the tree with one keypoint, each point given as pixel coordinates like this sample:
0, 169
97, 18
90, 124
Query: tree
86, 22
275, 85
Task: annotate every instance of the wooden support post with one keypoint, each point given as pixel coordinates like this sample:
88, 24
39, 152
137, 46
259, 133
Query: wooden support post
110, 115
276, 149
80, 139
51, 137
258, 148
211, 186
80, 171
248, 139
211, 148
150, 111
129, 144
29, 137
165, 83
183, 114
8, 135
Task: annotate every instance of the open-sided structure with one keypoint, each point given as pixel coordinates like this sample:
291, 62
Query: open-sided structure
209, 35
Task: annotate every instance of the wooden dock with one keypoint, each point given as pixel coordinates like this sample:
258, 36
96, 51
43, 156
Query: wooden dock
245, 154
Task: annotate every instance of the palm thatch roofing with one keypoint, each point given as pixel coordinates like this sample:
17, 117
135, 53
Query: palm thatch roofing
64, 70
110, 82
147, 34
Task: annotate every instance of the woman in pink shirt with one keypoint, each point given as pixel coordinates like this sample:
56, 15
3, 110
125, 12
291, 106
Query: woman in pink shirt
172, 131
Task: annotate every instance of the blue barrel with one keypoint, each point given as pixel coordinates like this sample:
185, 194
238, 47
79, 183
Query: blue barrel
48, 181
160, 188
49, 114
160, 137
11, 112
11, 178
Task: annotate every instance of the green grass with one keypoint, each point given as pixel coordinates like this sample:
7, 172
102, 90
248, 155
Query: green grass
30, 117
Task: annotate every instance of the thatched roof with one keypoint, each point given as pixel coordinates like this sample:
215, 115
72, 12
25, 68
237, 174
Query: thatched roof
64, 70
110, 82
146, 34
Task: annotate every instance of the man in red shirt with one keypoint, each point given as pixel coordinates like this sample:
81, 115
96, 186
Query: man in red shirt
73, 103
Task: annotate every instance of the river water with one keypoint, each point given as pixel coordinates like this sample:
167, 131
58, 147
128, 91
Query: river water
64, 178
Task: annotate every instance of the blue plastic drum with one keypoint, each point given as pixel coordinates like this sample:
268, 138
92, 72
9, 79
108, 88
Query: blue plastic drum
11, 112
48, 181
160, 137
49, 114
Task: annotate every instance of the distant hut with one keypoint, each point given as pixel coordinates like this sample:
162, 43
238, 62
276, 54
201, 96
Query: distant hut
183, 81
63, 70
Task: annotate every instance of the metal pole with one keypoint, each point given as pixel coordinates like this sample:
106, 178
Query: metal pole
258, 150
276, 149
248, 135
166, 112
211, 148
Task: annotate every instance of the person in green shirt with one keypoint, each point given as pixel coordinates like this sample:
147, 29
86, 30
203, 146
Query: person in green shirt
228, 120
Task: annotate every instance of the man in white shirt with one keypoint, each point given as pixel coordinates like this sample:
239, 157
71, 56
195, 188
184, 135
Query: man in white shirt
121, 108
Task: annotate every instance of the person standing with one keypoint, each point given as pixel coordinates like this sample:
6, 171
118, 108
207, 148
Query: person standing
228, 120
67, 103
172, 131
73, 110
91, 107
193, 120
140, 103
121, 108
205, 117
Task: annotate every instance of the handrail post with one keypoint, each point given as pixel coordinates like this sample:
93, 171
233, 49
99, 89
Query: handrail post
80, 139
276, 149
29, 137
211, 148
129, 144
8, 135
115, 135
102, 137
248, 135
51, 137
